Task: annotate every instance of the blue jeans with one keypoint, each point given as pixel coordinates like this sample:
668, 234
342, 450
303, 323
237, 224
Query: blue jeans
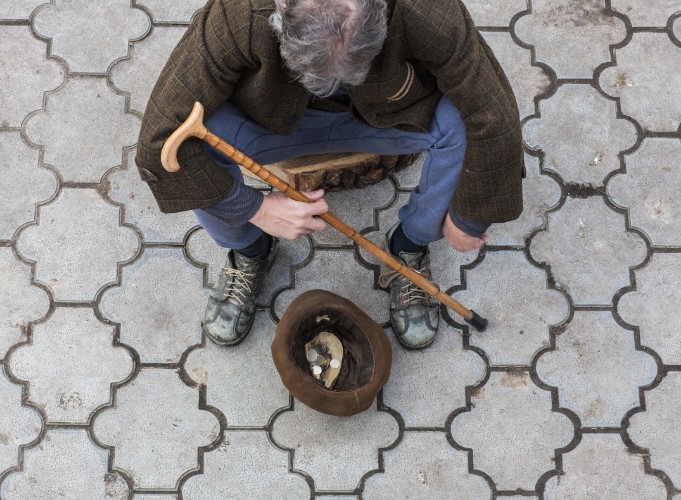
318, 132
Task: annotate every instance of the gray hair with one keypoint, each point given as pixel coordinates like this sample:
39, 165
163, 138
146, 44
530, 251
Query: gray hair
329, 43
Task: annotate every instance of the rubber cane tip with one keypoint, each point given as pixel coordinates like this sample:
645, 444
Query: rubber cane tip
478, 322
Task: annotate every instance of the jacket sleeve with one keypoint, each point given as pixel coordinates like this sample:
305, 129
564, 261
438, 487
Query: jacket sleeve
204, 67
443, 36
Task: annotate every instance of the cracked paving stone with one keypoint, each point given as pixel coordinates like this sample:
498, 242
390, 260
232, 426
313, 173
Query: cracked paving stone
69, 391
654, 13
18, 9
23, 187
77, 245
90, 36
512, 431
579, 134
514, 296
159, 305
648, 88
571, 37
597, 369
540, 193
223, 371
24, 79
424, 465
169, 11
141, 209
589, 250
20, 301
602, 467
495, 12
649, 190
65, 464
654, 306
351, 444
83, 130
657, 429
139, 73
229, 471
19, 425
156, 429
439, 375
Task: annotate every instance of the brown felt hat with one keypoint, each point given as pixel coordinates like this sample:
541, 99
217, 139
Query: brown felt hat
366, 361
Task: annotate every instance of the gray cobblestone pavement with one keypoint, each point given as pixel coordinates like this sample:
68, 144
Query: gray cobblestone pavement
108, 389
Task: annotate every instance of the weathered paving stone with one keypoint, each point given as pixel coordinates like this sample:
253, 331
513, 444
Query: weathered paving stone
649, 190
224, 369
142, 496
156, 429
589, 250
24, 79
677, 30
83, 130
139, 73
527, 81
654, 13
649, 88
425, 465
18, 9
494, 12
580, 135
77, 244
571, 37
19, 425
230, 471
20, 302
656, 429
602, 467
170, 11
540, 193
408, 178
597, 369
514, 296
439, 375
351, 444
65, 464
88, 36
654, 306
69, 391
512, 431
23, 187
159, 305
141, 209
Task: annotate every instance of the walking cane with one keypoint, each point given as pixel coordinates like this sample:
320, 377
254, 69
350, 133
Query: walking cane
194, 127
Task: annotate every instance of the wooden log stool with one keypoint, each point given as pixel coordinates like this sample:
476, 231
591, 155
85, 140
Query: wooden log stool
337, 171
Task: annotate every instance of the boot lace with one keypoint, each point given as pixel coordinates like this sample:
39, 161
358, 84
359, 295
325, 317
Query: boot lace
409, 292
238, 286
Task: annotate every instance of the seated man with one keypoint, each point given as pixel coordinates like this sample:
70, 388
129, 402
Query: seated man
285, 78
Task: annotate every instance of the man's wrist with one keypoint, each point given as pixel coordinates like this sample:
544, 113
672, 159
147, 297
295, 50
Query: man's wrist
471, 228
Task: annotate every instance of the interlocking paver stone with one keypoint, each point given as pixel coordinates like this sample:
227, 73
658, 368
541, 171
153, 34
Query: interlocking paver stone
514, 297
512, 431
425, 465
229, 471
70, 390
83, 130
24, 79
654, 306
66, 464
588, 249
18, 9
223, 370
156, 429
89, 36
494, 12
654, 13
597, 369
648, 88
170, 11
580, 135
572, 37
77, 244
158, 305
602, 467
656, 429
649, 190
336, 452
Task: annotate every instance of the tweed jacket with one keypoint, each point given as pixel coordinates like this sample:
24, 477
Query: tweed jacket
230, 53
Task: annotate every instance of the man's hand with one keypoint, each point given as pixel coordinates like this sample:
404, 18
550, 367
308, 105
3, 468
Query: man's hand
288, 219
460, 240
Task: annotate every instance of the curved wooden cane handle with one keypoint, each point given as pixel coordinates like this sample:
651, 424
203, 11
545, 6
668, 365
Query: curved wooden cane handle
192, 127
